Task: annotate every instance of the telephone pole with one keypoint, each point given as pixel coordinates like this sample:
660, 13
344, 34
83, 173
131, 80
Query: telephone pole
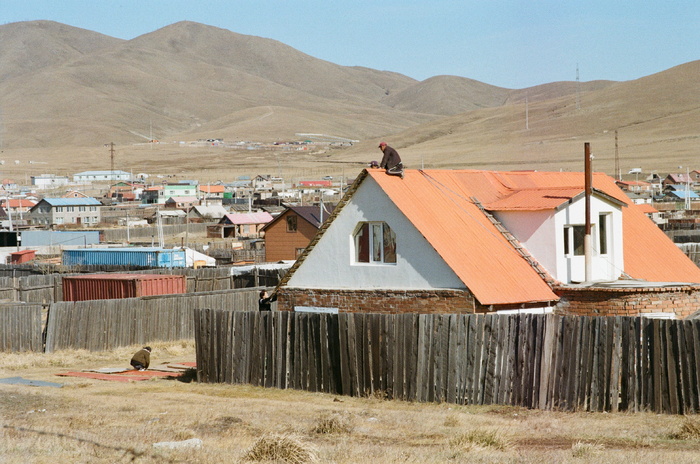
111, 158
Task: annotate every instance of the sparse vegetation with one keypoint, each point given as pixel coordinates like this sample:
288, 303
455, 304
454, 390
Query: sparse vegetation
105, 422
582, 450
281, 448
688, 430
333, 423
479, 438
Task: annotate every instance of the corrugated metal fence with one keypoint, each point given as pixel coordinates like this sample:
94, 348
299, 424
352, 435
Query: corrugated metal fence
20, 327
97, 325
536, 361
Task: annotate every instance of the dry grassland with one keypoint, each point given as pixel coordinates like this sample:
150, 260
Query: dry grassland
96, 421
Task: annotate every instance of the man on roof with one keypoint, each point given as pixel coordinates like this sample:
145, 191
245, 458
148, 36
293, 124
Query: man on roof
391, 161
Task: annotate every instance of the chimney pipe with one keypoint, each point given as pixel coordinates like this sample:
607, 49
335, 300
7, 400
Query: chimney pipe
587, 248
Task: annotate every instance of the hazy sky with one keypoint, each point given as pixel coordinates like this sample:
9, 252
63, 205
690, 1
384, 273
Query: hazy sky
513, 43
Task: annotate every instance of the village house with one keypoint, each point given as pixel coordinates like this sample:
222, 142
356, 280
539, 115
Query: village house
160, 193
240, 225
634, 186
267, 183
87, 177
207, 213
287, 236
17, 206
183, 203
125, 191
64, 211
210, 192
48, 181
482, 241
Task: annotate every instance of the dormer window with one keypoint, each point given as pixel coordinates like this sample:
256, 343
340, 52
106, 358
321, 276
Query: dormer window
375, 242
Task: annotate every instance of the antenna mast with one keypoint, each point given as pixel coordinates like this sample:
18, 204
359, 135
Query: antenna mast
617, 160
578, 90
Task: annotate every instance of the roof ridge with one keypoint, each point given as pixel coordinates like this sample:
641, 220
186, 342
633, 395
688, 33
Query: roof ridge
322, 230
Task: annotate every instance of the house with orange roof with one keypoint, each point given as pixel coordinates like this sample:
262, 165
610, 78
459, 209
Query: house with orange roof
481, 241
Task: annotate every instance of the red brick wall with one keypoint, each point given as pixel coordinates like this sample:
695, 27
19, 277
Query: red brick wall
380, 301
599, 301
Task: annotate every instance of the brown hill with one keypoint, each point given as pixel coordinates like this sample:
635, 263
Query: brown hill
64, 92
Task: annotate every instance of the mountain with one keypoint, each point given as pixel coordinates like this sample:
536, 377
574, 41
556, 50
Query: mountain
69, 90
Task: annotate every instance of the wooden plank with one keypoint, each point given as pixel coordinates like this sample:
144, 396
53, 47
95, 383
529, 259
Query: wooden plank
488, 363
412, 372
345, 374
453, 354
478, 359
695, 325
672, 366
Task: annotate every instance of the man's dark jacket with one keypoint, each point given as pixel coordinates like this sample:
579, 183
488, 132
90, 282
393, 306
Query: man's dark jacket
390, 159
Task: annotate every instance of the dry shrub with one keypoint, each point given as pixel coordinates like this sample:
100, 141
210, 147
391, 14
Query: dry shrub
582, 450
281, 448
689, 430
335, 423
451, 421
479, 438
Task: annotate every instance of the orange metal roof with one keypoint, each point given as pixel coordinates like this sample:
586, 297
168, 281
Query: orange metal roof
437, 202
647, 208
212, 188
534, 199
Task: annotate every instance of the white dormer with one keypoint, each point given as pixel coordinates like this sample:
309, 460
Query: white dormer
550, 224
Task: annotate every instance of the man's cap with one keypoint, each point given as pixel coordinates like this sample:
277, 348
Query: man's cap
374, 163
382, 144
147, 348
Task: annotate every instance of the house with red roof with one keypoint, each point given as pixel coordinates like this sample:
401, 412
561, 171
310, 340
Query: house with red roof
482, 241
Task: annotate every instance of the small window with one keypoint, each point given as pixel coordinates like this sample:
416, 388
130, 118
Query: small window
291, 223
579, 234
603, 234
375, 242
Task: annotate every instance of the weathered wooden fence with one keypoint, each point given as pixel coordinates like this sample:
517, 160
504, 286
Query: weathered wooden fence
97, 325
48, 288
20, 327
536, 361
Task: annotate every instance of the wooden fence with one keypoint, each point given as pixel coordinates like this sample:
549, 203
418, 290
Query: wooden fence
535, 361
47, 289
20, 328
98, 325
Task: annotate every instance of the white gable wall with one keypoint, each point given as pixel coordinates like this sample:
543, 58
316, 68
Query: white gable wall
542, 234
331, 263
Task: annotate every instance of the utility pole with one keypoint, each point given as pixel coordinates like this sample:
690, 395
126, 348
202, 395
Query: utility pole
111, 158
587, 239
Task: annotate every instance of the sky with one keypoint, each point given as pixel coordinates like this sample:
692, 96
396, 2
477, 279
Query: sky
510, 43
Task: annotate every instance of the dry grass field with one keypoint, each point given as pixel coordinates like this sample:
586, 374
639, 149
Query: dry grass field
95, 421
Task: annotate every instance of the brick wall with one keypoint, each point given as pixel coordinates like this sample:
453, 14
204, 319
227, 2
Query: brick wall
600, 301
380, 301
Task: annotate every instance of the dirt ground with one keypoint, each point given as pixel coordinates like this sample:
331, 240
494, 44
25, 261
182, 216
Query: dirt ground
99, 421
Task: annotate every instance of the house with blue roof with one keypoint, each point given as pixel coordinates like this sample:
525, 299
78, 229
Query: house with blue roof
65, 211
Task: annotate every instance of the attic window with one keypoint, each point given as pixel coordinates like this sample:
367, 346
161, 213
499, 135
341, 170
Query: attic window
375, 242
291, 223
